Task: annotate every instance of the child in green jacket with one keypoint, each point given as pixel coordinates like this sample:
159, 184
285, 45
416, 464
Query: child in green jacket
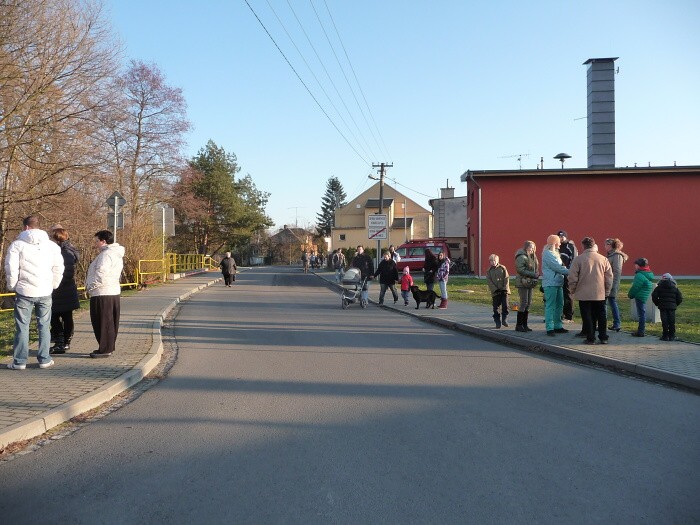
640, 291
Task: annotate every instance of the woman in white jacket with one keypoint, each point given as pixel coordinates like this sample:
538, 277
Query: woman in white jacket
102, 285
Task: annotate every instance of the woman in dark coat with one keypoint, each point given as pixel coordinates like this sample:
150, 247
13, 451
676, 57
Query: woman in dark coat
65, 297
430, 268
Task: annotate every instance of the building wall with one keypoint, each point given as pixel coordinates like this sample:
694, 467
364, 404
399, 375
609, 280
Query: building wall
655, 215
351, 219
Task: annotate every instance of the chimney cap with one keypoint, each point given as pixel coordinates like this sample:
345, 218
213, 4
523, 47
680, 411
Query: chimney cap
592, 60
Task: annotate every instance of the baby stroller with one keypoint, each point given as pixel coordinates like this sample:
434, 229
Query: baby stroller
353, 284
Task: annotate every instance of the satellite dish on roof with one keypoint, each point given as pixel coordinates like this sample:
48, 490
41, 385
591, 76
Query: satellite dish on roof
562, 157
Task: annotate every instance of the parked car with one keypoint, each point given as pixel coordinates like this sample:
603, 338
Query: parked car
412, 253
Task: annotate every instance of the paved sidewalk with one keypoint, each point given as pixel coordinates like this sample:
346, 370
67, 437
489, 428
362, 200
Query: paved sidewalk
34, 400
675, 362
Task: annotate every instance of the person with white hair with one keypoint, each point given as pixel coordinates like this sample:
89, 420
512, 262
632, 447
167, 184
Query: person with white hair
228, 269
553, 273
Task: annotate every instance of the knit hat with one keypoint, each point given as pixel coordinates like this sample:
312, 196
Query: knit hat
562, 233
641, 262
668, 277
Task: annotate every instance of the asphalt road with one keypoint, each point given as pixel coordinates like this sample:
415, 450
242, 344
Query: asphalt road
284, 408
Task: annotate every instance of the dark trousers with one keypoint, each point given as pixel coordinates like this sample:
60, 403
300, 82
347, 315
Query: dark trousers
62, 327
668, 322
229, 278
382, 292
568, 311
104, 314
593, 317
500, 300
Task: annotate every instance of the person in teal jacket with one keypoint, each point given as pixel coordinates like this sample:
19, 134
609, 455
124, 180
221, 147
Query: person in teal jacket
640, 291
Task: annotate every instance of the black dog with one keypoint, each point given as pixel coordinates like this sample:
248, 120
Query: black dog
424, 296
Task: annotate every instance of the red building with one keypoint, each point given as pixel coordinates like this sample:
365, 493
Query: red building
654, 211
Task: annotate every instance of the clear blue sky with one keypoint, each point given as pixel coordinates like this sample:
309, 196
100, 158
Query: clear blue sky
452, 85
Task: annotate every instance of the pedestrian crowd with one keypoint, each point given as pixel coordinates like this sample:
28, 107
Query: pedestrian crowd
564, 275
40, 270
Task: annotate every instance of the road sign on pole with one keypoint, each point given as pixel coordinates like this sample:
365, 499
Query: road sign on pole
377, 226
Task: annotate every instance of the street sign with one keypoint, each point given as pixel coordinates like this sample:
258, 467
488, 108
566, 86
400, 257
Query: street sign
110, 221
377, 226
120, 200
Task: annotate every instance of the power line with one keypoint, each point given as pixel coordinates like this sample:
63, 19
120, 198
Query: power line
369, 110
308, 66
303, 83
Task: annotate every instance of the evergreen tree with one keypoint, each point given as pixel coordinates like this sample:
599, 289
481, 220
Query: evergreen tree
332, 199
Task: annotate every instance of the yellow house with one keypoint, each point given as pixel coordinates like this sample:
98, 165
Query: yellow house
406, 219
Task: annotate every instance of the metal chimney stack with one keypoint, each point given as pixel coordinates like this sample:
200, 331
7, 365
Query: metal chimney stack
601, 112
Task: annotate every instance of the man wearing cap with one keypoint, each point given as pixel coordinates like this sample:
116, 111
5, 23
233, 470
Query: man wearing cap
640, 291
568, 251
590, 280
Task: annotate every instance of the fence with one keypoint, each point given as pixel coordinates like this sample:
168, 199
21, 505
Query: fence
150, 271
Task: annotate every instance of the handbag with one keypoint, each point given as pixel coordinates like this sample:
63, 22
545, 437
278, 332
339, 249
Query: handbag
530, 282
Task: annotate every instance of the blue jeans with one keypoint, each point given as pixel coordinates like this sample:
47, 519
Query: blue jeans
553, 307
642, 314
443, 289
338, 275
23, 317
612, 301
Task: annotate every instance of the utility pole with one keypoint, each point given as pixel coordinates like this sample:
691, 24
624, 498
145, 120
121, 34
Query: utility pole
382, 168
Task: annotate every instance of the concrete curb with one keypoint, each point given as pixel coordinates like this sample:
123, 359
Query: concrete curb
38, 425
540, 347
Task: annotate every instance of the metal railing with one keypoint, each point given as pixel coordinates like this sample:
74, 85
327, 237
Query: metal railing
150, 271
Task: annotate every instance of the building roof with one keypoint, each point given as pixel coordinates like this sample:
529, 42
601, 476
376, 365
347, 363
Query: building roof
594, 172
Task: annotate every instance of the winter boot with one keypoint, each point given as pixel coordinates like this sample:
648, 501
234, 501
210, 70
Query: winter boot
519, 327
443, 304
497, 319
525, 316
504, 320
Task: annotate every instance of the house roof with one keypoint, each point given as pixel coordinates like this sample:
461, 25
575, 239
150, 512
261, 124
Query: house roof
576, 172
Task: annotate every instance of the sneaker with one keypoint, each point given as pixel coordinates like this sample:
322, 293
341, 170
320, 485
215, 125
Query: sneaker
561, 330
47, 364
614, 328
603, 341
589, 341
673, 338
15, 366
57, 350
405, 303
636, 334
505, 324
97, 354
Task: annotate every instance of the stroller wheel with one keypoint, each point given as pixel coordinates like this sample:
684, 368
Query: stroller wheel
344, 303
363, 303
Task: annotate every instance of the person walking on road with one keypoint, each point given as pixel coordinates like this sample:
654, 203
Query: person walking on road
102, 285
617, 258
364, 263
526, 279
590, 281
553, 273
64, 298
33, 269
640, 291
338, 264
228, 269
498, 280
388, 275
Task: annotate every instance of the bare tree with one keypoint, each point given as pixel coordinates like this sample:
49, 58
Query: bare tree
147, 131
56, 59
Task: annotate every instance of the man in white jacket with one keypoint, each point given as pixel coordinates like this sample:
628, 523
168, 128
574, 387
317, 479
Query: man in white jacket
33, 269
102, 285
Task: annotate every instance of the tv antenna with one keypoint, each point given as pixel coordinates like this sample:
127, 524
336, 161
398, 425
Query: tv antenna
519, 156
